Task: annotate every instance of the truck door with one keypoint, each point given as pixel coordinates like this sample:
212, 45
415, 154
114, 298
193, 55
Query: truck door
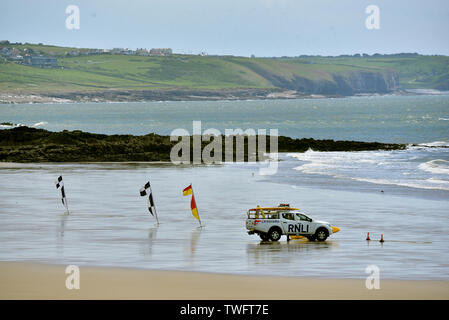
288, 223
304, 224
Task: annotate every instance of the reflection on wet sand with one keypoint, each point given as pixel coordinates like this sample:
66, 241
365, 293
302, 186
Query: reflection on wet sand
148, 244
63, 220
194, 236
60, 234
267, 252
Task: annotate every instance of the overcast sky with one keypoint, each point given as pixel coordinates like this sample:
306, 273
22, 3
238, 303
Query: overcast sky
238, 27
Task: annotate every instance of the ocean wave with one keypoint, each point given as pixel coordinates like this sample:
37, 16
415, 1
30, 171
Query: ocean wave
342, 158
435, 144
15, 125
420, 184
11, 126
430, 184
331, 163
399, 168
313, 168
437, 166
40, 124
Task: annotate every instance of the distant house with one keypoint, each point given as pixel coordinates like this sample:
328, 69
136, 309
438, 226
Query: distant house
17, 58
15, 52
123, 51
5, 52
142, 52
161, 52
129, 52
118, 50
72, 53
40, 61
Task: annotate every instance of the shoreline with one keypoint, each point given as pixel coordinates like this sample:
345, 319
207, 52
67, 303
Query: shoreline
31, 280
129, 96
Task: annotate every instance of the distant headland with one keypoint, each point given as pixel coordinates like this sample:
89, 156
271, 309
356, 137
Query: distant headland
45, 73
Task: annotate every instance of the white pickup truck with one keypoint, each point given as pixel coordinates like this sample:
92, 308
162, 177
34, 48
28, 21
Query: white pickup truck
273, 222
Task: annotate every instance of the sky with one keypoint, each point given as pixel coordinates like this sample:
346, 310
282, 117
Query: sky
236, 27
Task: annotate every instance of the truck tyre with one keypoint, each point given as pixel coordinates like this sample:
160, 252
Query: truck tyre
321, 234
275, 234
311, 238
264, 236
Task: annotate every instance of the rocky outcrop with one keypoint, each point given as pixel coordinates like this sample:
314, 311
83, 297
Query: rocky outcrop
23, 144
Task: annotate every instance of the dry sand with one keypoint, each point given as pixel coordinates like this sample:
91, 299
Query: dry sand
19, 280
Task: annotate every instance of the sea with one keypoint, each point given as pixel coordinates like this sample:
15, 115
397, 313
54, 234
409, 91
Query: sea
402, 195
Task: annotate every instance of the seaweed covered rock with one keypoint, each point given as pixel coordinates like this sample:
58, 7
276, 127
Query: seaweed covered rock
24, 144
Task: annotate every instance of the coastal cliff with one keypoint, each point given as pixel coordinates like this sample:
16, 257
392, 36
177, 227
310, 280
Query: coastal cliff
358, 82
346, 83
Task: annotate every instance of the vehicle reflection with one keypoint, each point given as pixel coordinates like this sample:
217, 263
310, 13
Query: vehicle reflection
268, 252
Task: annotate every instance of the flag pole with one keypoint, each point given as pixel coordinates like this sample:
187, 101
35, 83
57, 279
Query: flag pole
155, 210
193, 195
64, 198
67, 205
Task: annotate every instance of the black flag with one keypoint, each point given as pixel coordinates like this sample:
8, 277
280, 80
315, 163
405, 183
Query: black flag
60, 185
143, 191
151, 206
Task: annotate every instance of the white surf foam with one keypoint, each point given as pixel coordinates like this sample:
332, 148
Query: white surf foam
40, 124
397, 168
8, 126
435, 144
434, 184
437, 166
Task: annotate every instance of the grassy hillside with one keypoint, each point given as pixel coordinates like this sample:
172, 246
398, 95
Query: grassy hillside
87, 73
130, 72
145, 73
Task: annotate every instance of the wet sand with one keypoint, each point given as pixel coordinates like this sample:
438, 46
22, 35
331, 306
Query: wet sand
26, 280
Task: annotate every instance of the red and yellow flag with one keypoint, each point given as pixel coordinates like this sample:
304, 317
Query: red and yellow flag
194, 209
186, 192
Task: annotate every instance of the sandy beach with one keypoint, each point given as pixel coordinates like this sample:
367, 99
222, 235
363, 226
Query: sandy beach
23, 280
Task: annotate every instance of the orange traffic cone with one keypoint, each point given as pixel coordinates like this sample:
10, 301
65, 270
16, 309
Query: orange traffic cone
367, 237
381, 238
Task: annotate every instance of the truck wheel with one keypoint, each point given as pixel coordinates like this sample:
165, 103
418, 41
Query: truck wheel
311, 238
275, 234
264, 236
321, 234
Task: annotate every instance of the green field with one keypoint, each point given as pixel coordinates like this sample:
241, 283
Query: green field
105, 71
